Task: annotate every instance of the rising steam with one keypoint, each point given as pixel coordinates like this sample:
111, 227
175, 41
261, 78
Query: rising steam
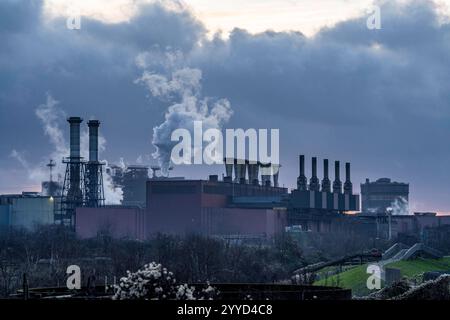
399, 207
180, 86
51, 116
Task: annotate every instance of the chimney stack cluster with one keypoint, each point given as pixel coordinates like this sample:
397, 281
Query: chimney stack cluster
325, 186
251, 172
83, 181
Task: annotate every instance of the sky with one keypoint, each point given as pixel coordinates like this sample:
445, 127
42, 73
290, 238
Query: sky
379, 99
254, 16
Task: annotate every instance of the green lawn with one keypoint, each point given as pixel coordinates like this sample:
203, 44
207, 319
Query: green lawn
412, 268
356, 278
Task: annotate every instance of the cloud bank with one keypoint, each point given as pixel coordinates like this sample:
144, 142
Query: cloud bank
377, 98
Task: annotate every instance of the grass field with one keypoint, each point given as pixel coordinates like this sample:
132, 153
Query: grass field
356, 277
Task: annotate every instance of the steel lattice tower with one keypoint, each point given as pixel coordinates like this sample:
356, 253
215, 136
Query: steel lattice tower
93, 181
72, 193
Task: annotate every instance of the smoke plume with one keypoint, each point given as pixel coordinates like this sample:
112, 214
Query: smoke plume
51, 117
181, 86
399, 207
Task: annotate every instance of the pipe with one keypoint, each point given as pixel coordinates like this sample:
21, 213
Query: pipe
253, 170
314, 167
275, 174
348, 187
239, 170
347, 171
302, 165
301, 180
75, 122
337, 170
229, 163
326, 184
337, 184
93, 140
314, 181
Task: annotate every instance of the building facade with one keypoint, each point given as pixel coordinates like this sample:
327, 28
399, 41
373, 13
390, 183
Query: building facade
378, 196
116, 221
26, 210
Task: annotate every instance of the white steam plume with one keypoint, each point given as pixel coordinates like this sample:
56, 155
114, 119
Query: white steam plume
180, 86
51, 115
399, 207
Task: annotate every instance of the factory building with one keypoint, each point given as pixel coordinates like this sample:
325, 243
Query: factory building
250, 205
318, 205
133, 186
209, 207
246, 203
116, 174
26, 210
117, 221
377, 197
83, 180
51, 189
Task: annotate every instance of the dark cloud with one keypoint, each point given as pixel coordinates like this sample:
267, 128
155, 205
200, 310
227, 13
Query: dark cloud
18, 16
378, 98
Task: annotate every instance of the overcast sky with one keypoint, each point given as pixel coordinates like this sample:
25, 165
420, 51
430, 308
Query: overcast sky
379, 99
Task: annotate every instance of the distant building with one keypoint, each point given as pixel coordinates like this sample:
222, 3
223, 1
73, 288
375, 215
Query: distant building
209, 207
116, 174
51, 189
26, 210
378, 196
243, 206
117, 221
134, 183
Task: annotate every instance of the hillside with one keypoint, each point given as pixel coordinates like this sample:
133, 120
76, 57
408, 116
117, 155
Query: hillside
356, 277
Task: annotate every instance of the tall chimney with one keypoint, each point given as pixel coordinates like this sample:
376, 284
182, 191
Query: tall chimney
301, 180
337, 184
326, 184
73, 196
94, 192
229, 163
240, 171
348, 187
266, 173
253, 172
93, 140
276, 174
314, 184
75, 137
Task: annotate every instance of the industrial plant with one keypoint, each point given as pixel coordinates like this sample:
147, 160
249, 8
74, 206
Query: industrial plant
246, 204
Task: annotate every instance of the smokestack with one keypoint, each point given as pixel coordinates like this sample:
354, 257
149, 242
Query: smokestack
240, 171
301, 180
93, 140
337, 184
75, 137
326, 184
314, 181
275, 168
276, 174
348, 187
229, 163
94, 192
266, 173
253, 172
72, 195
